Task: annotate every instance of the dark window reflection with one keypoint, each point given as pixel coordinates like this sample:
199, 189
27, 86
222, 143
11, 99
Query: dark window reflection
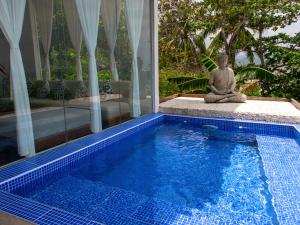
59, 93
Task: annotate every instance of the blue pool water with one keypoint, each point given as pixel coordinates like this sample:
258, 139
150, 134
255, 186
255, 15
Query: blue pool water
186, 165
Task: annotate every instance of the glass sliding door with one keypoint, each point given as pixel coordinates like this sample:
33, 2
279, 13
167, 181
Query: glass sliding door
146, 73
78, 82
44, 72
114, 110
8, 131
73, 67
134, 56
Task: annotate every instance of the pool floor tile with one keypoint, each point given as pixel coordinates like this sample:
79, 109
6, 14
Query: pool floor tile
61, 194
281, 159
60, 217
112, 218
22, 207
123, 202
156, 211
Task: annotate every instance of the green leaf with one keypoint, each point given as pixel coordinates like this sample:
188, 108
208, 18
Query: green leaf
216, 43
180, 80
198, 91
199, 83
208, 63
253, 72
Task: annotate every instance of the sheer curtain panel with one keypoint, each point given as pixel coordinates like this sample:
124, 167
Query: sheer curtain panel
111, 10
134, 15
11, 23
35, 40
89, 13
74, 31
44, 13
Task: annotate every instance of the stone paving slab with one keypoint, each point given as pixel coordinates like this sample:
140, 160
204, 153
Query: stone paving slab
273, 111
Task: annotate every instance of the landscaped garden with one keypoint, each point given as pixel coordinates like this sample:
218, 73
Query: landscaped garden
258, 36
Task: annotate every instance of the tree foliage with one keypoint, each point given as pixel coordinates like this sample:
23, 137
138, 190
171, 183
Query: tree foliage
193, 32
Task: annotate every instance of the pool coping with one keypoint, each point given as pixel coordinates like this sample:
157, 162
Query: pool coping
273, 111
23, 175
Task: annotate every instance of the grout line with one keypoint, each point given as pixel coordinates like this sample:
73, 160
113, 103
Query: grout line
43, 214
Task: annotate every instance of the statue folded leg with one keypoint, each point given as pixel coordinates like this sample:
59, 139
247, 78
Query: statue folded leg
234, 97
237, 98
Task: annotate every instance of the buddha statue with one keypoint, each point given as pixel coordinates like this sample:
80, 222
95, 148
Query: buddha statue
222, 84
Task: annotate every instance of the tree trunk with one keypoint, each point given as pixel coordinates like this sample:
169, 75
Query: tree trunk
231, 55
260, 49
261, 58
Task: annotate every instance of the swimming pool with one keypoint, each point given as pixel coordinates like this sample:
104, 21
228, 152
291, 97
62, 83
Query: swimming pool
163, 169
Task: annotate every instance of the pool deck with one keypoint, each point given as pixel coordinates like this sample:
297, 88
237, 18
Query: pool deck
271, 111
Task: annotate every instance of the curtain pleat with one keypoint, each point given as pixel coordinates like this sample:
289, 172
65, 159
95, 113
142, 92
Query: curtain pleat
88, 14
134, 15
74, 31
110, 11
44, 13
35, 40
11, 23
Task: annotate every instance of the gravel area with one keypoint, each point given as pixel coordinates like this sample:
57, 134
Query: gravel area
273, 111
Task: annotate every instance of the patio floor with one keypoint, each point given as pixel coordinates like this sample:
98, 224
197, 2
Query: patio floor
273, 111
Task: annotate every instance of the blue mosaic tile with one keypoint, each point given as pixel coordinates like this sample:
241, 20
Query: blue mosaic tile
94, 223
53, 154
123, 202
78, 150
28, 182
281, 159
112, 218
123, 207
159, 212
247, 126
60, 217
6, 199
62, 193
22, 207
118, 131
297, 134
15, 169
4, 187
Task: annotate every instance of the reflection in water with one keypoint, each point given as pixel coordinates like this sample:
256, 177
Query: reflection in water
182, 164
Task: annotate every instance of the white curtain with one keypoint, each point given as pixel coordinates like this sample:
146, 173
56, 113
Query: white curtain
11, 23
35, 40
74, 31
44, 13
89, 13
134, 15
111, 15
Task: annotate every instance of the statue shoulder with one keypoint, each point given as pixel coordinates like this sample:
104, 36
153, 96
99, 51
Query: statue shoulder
231, 70
214, 71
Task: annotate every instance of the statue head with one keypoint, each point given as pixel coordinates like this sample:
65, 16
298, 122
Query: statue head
222, 60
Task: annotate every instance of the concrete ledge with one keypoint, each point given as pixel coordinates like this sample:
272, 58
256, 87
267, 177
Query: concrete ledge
277, 99
8, 219
295, 103
272, 111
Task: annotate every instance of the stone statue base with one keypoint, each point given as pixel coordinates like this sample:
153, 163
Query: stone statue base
234, 97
